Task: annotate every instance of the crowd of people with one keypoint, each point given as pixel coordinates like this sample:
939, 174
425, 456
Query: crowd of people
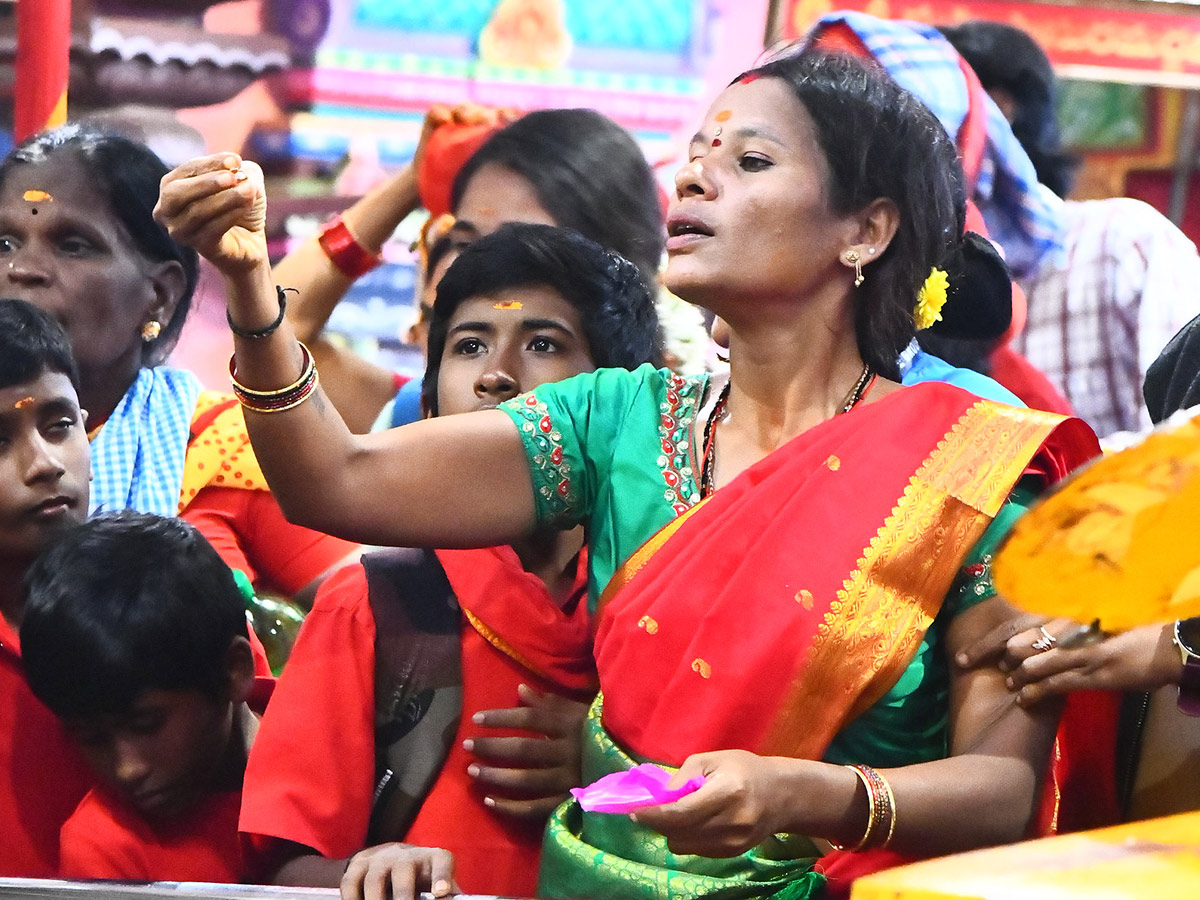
774, 580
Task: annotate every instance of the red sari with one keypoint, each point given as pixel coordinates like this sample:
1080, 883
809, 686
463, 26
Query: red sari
776, 612
862, 549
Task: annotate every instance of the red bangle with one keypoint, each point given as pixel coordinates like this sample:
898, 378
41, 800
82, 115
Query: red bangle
350, 257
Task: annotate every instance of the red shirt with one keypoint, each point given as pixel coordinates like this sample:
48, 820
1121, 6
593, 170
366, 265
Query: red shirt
104, 838
42, 777
310, 776
249, 531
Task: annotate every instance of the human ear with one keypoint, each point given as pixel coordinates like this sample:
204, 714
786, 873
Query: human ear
168, 282
239, 663
878, 223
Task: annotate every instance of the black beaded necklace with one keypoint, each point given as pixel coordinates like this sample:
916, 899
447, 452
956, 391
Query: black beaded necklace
721, 409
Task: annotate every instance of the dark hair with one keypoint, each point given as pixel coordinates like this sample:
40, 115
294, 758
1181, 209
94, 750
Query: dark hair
31, 344
1005, 57
617, 309
124, 603
439, 251
1173, 380
588, 173
127, 175
880, 141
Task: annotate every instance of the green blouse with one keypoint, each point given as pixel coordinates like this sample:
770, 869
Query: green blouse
619, 451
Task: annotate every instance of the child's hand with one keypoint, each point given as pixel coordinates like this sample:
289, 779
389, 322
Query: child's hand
398, 872
540, 769
217, 205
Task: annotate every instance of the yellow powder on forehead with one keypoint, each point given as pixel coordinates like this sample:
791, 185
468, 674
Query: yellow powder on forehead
508, 304
23, 402
724, 115
36, 196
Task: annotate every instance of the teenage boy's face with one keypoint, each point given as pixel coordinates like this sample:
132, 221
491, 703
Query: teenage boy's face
45, 463
162, 755
501, 344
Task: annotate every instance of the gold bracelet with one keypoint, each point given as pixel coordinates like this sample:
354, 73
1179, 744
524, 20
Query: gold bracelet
872, 814
291, 403
307, 365
890, 806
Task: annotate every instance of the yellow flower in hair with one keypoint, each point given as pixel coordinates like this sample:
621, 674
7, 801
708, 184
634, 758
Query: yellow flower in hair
931, 299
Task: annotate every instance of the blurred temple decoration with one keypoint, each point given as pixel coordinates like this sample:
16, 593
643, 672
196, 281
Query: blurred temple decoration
134, 62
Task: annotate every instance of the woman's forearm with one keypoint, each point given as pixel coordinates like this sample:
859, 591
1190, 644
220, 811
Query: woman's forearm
944, 806
320, 284
459, 481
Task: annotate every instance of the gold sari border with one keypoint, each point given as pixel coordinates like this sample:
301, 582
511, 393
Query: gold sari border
875, 625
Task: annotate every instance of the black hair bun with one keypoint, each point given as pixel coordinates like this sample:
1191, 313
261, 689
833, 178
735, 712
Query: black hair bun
979, 299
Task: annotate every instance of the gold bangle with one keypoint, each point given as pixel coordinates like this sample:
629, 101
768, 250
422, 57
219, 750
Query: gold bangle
303, 394
305, 373
872, 815
891, 811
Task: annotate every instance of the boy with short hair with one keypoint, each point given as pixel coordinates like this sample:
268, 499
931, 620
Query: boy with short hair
44, 469
384, 727
134, 634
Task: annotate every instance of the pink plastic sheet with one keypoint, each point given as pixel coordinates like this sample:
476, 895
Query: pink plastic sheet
623, 792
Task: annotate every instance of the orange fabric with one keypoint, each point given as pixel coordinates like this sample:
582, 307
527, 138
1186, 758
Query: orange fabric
106, 839
42, 777
836, 619
311, 772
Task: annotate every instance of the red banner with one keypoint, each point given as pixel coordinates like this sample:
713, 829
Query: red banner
1152, 45
43, 53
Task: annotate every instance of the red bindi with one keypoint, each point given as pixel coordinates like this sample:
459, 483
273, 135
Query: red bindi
716, 142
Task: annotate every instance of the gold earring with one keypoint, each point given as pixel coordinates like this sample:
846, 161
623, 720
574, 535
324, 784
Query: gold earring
151, 330
854, 259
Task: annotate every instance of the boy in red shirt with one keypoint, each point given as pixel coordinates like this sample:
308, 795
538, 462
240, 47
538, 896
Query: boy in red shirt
384, 728
134, 634
44, 468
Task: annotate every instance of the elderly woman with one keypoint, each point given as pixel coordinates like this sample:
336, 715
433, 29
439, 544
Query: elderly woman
782, 564
78, 240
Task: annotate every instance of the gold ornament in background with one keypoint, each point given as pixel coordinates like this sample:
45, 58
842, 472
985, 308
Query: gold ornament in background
1120, 541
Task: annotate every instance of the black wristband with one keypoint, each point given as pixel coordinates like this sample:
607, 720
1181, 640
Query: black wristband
267, 330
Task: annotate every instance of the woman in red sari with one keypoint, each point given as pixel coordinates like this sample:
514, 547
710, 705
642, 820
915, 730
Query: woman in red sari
782, 564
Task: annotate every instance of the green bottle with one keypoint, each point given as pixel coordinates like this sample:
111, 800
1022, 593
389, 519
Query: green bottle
276, 621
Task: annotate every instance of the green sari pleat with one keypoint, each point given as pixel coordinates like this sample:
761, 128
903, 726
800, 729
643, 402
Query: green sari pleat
608, 857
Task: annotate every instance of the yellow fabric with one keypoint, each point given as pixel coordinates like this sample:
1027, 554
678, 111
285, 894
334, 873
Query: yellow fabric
221, 456
1117, 542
